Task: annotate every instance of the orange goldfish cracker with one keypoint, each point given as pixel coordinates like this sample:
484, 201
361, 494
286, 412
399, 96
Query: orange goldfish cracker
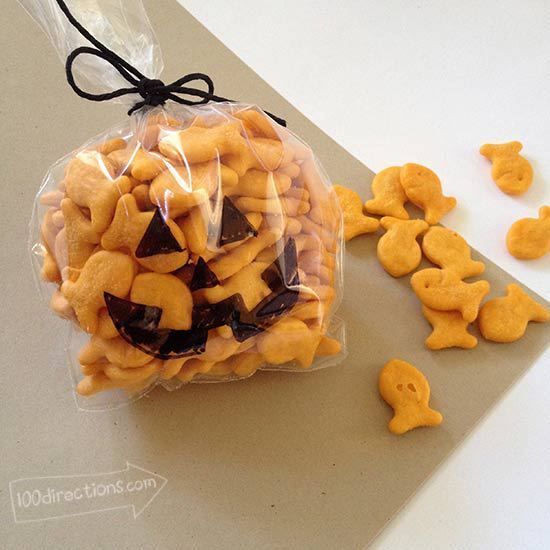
89, 184
128, 228
261, 154
407, 391
193, 367
443, 290
291, 170
99, 382
328, 346
114, 350
315, 263
220, 348
288, 340
291, 226
167, 292
355, 222
111, 272
105, 327
229, 264
313, 232
195, 228
389, 196
529, 238
196, 144
261, 185
80, 236
52, 198
178, 189
58, 219
314, 309
282, 205
50, 271
511, 172
298, 193
247, 282
141, 194
61, 306
138, 374
397, 249
225, 331
320, 292
243, 364
449, 330
324, 202
95, 383
246, 364
60, 254
300, 150
256, 124
94, 368
423, 188
505, 319
305, 241
49, 230
172, 367
111, 145
319, 256
138, 163
267, 255
447, 249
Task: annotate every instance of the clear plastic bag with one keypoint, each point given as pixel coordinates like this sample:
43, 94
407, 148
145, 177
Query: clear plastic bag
190, 244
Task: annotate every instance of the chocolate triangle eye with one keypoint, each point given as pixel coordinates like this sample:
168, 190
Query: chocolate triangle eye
157, 239
203, 276
283, 272
234, 225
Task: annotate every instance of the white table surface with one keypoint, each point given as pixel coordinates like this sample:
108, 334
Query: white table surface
398, 81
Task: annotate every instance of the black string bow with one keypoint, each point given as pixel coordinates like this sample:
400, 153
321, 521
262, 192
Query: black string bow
153, 91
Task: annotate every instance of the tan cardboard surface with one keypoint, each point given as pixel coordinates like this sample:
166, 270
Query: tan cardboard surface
277, 461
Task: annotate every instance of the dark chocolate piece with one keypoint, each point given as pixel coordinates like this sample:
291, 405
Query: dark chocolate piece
157, 239
211, 316
203, 276
138, 325
167, 343
244, 325
129, 314
180, 343
234, 225
284, 270
278, 302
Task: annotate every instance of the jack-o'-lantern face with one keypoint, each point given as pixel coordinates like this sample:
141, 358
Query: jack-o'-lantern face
141, 324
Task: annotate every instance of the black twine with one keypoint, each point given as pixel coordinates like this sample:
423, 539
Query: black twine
153, 91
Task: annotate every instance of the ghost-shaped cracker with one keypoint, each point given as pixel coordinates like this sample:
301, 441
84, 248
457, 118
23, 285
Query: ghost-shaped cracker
407, 391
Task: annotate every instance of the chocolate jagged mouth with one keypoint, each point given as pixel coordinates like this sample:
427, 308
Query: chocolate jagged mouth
138, 324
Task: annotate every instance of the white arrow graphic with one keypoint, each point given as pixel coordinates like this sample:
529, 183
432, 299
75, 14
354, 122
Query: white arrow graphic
53, 497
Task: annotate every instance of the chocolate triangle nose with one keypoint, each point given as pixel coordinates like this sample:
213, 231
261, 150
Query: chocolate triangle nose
157, 239
203, 276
